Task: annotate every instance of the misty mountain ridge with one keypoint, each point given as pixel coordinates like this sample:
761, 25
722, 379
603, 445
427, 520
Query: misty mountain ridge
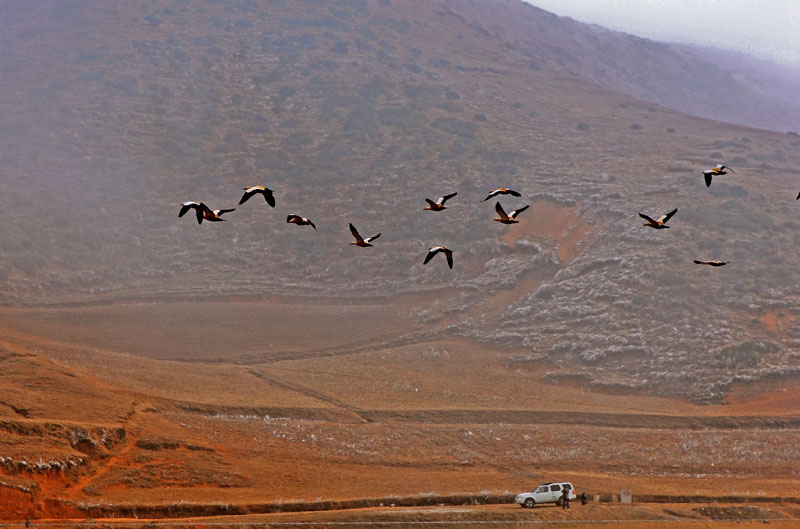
355, 112
699, 80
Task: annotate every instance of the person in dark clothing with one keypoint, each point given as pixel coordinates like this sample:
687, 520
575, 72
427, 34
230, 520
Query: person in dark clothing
584, 498
565, 498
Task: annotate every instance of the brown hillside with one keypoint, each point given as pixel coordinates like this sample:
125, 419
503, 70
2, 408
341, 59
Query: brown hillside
355, 113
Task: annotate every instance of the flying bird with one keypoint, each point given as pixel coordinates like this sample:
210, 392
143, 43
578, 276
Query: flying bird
508, 218
501, 191
300, 221
718, 170
249, 191
433, 250
661, 223
360, 241
439, 204
215, 215
196, 206
203, 212
710, 263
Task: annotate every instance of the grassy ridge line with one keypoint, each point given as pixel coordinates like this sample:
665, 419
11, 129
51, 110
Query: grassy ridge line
232, 295
188, 510
467, 416
622, 420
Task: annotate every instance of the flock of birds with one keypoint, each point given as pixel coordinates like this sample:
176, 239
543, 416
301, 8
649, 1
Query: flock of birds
661, 223
203, 212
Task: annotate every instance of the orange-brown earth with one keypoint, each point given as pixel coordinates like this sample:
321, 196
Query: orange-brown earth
627, 517
778, 322
146, 419
563, 226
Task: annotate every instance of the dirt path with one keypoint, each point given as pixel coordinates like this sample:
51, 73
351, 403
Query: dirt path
297, 388
508, 514
105, 465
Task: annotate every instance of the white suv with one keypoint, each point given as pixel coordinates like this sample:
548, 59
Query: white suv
545, 493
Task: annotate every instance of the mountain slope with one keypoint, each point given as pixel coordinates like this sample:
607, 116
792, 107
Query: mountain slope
357, 111
692, 79
776, 81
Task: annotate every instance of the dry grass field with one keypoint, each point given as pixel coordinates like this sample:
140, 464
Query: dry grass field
118, 424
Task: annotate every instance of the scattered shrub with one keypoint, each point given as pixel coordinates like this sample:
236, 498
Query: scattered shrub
449, 106
423, 95
455, 126
362, 45
361, 124
296, 141
374, 88
326, 65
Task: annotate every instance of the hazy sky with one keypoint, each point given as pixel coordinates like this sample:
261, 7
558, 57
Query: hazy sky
766, 28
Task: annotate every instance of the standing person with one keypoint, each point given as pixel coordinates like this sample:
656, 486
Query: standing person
565, 498
584, 498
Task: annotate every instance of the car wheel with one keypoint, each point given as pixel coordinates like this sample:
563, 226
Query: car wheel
529, 503
559, 502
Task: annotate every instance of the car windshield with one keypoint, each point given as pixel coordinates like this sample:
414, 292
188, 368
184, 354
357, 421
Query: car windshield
541, 489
